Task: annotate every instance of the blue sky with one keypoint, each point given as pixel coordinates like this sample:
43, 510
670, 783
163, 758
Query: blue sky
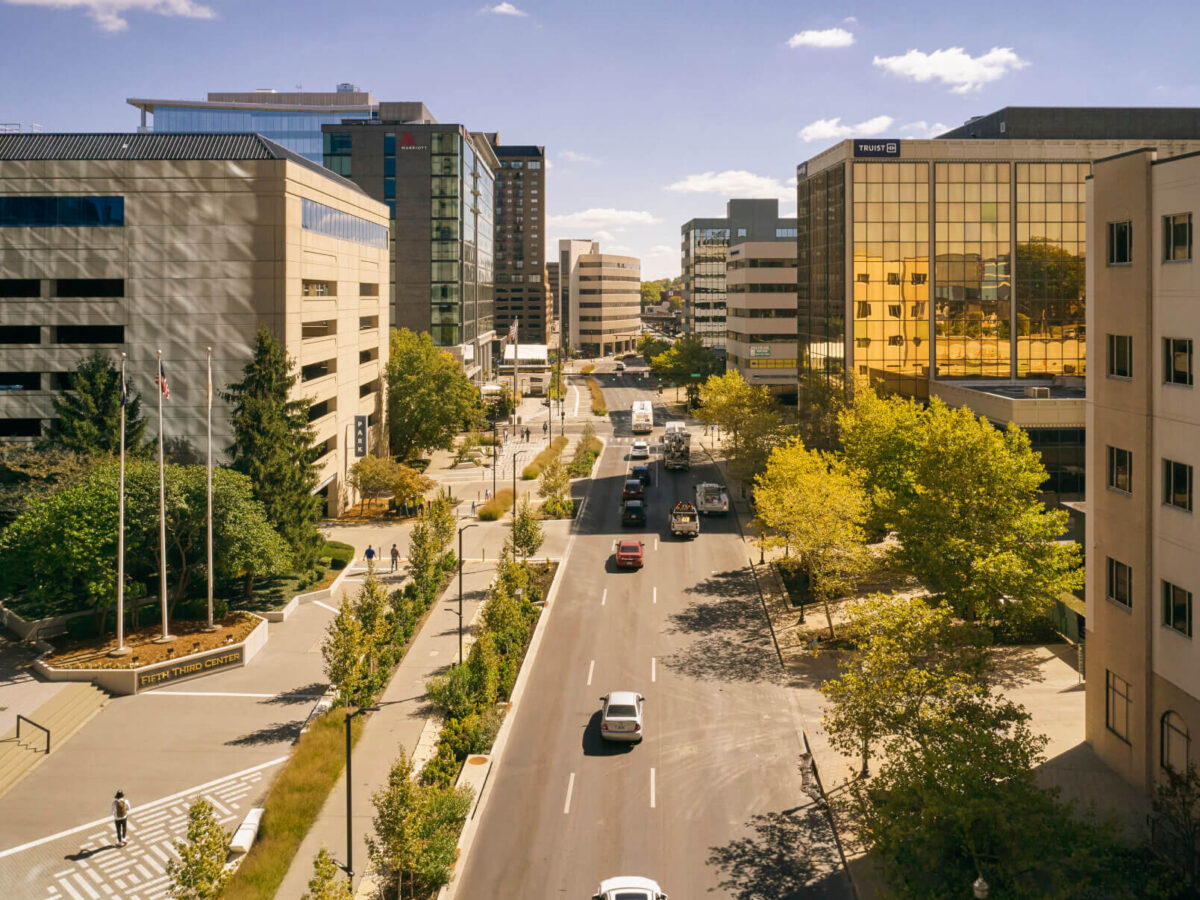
652, 112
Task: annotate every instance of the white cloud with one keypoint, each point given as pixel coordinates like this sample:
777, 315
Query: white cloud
504, 9
572, 156
829, 37
954, 66
733, 183
834, 130
662, 250
110, 14
603, 235
602, 217
850, 20
922, 129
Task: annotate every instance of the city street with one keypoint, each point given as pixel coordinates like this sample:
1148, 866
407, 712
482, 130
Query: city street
711, 800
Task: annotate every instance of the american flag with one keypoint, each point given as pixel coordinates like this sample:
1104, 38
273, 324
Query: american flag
512, 331
162, 381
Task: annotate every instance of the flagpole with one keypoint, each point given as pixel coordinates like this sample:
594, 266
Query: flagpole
209, 395
121, 649
162, 515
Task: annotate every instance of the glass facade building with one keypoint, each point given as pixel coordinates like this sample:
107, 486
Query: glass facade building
297, 130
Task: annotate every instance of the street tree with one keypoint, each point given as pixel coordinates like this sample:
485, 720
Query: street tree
820, 401
649, 347
554, 487
89, 413
371, 477
686, 364
748, 415
423, 556
880, 441
907, 655
430, 399
527, 534
274, 445
328, 882
199, 873
809, 500
442, 525
345, 650
1176, 805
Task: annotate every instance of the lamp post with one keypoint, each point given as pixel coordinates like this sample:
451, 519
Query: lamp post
350, 791
460, 589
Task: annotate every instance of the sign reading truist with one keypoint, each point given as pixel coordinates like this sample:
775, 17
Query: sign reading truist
200, 664
760, 351
876, 148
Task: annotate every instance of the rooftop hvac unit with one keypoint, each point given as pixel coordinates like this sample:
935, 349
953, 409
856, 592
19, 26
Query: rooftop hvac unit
1037, 393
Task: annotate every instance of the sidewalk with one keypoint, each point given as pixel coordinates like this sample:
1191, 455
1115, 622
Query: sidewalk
396, 726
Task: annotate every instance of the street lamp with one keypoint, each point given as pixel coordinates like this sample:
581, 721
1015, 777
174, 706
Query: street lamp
460, 589
349, 791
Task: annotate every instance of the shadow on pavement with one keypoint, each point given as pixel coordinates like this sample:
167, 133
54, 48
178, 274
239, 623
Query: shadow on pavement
304, 694
733, 640
594, 745
1017, 666
790, 854
89, 852
278, 733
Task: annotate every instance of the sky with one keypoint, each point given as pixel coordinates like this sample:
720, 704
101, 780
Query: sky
652, 112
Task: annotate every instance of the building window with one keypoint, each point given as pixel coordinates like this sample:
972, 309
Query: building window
318, 288
321, 219
20, 334
1175, 745
1120, 356
20, 287
1177, 237
1177, 484
62, 212
89, 287
1177, 608
1120, 469
785, 232
89, 334
1117, 699
1120, 243
20, 427
918, 277
1120, 583
1177, 356
389, 143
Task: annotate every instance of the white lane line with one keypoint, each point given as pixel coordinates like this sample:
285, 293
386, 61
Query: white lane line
591, 669
144, 810
656, 543
230, 694
575, 391
570, 787
652, 789
654, 595
653, 668
332, 609
604, 596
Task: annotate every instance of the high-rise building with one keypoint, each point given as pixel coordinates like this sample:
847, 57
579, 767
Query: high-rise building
552, 282
437, 182
705, 248
1143, 539
760, 284
291, 119
520, 207
955, 267
601, 298
135, 243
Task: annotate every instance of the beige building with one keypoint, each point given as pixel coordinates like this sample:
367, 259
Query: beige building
1143, 536
139, 242
602, 298
760, 313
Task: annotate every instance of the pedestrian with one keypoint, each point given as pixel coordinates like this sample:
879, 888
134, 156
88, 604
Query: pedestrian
472, 507
370, 554
121, 809
506, 435
395, 557
544, 428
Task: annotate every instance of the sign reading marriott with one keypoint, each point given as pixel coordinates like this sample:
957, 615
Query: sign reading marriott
876, 148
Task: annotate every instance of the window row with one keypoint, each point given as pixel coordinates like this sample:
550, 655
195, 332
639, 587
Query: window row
1176, 601
1177, 478
321, 219
1177, 240
1177, 358
62, 212
31, 288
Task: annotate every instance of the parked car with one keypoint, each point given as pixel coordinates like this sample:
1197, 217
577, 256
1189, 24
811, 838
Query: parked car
633, 512
630, 555
642, 474
621, 716
633, 490
629, 887
641, 450
620, 366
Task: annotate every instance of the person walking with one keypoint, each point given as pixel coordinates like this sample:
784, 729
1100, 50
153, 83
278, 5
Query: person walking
544, 429
121, 808
370, 554
395, 557
472, 507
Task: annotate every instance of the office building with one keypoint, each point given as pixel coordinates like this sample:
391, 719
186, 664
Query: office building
520, 250
601, 299
552, 282
955, 268
760, 337
1143, 539
437, 183
135, 243
291, 119
705, 248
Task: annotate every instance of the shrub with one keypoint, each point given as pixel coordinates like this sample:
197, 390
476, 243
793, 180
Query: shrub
543, 459
339, 554
443, 769
598, 405
586, 451
588, 369
196, 609
558, 508
497, 506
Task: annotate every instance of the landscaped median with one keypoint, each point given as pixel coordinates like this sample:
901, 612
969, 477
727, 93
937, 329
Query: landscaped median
586, 451
497, 506
543, 459
599, 408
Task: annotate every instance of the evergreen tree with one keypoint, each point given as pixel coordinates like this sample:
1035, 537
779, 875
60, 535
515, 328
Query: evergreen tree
273, 445
200, 872
89, 414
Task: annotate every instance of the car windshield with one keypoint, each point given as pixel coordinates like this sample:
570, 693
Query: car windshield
633, 484
622, 711
626, 895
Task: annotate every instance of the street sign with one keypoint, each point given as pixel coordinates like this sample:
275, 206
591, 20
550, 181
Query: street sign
360, 436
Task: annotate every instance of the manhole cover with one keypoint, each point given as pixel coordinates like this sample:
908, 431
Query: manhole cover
476, 760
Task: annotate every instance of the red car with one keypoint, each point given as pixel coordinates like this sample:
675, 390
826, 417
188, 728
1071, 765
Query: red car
633, 489
630, 555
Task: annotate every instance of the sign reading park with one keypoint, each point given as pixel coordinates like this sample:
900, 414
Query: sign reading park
199, 664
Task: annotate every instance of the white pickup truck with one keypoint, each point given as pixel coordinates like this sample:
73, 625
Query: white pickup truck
684, 521
712, 499
629, 887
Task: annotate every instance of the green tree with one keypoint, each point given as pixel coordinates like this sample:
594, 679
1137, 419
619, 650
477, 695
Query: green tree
649, 347
423, 556
1176, 805
554, 487
906, 655
527, 534
687, 363
809, 499
29, 473
346, 650
199, 873
89, 414
440, 515
820, 402
328, 882
880, 440
430, 399
273, 446
372, 477
748, 415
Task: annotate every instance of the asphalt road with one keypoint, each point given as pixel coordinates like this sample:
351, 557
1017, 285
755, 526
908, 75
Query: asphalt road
711, 802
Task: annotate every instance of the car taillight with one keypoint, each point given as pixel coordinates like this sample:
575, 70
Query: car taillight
604, 727
637, 726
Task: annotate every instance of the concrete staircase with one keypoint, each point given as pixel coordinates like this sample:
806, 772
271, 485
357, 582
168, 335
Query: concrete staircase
64, 714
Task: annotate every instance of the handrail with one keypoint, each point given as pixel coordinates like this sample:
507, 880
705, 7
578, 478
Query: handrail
21, 718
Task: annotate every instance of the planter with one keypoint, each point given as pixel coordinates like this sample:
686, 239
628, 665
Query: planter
281, 615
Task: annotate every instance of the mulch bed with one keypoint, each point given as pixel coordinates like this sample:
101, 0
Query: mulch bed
190, 637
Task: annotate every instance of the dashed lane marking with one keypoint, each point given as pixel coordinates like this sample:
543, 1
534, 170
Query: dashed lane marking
570, 788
